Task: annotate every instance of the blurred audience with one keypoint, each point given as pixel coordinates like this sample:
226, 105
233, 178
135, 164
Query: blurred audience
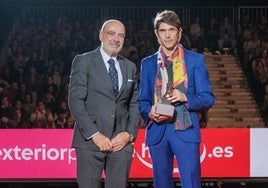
227, 36
42, 117
6, 114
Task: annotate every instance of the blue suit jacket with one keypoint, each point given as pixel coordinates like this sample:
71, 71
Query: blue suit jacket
199, 95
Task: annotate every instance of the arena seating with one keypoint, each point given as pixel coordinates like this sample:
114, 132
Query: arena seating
235, 105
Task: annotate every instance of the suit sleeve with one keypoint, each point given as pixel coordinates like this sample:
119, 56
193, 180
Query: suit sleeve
146, 93
134, 114
77, 95
199, 95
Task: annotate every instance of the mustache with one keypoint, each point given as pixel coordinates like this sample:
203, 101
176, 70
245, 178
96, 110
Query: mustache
115, 43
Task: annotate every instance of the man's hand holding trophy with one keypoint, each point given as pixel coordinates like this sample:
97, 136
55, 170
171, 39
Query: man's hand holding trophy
164, 111
165, 107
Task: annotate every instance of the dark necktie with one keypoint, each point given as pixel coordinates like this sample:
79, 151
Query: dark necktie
113, 76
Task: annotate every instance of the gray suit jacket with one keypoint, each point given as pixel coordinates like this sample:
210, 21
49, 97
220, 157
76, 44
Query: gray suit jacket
92, 101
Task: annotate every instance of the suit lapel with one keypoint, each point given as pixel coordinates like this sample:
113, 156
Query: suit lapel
101, 70
123, 68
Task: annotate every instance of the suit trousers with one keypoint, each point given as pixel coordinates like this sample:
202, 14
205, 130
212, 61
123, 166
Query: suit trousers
90, 166
187, 157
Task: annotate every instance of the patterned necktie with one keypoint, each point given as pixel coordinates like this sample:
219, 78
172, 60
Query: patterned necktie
113, 76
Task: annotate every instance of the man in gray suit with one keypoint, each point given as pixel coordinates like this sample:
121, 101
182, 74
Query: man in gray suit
105, 109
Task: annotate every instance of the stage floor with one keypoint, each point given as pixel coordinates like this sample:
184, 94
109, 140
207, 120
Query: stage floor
208, 184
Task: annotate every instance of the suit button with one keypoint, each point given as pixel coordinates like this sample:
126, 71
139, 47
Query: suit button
112, 115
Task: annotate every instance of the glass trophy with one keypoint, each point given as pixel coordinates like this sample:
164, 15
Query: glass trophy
165, 107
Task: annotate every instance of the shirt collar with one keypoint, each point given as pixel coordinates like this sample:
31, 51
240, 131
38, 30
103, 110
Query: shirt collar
105, 56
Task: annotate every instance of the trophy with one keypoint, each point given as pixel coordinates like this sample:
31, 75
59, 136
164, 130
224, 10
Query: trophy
165, 107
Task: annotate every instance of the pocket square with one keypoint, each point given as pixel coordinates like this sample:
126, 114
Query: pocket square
130, 80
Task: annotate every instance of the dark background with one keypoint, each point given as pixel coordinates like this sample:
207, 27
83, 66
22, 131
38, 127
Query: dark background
135, 2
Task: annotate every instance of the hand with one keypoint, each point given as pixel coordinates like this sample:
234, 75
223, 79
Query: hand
120, 140
103, 142
176, 96
158, 118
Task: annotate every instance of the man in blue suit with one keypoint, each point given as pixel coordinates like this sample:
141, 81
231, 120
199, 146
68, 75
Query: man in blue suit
178, 134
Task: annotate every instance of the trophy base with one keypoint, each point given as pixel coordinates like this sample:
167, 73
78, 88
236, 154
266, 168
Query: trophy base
165, 109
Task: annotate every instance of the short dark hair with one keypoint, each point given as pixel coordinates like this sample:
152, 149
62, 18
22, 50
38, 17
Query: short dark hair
168, 17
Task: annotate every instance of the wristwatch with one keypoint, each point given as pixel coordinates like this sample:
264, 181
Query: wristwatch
131, 137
